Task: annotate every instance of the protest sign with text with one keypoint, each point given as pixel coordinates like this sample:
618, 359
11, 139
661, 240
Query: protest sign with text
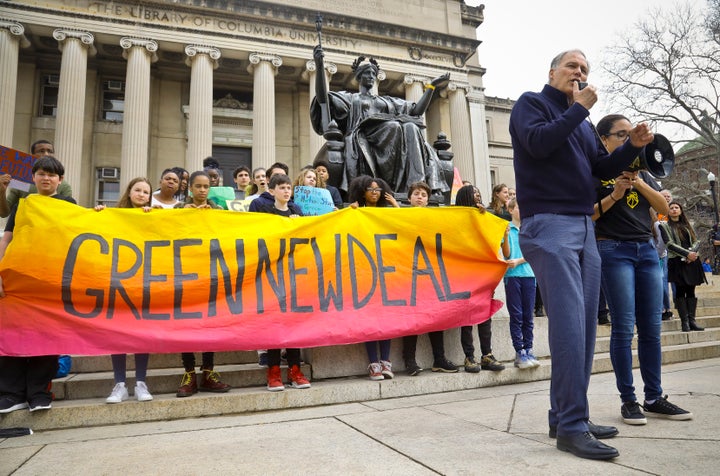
123, 281
19, 165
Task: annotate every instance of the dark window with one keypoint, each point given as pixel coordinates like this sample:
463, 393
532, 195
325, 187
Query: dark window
113, 100
49, 95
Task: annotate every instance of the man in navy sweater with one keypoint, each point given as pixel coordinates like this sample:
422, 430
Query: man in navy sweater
556, 155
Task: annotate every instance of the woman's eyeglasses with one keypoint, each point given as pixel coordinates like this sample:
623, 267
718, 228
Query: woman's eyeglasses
622, 135
370, 189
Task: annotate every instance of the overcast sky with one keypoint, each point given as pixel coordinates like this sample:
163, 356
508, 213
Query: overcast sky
520, 37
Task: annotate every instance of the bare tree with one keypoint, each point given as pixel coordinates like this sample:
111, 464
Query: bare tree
713, 19
666, 70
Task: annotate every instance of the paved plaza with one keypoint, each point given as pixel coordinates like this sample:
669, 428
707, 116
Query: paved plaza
493, 430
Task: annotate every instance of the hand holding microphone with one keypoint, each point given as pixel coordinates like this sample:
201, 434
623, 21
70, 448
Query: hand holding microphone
584, 94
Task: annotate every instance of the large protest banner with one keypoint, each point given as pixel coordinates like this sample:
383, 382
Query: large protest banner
79, 281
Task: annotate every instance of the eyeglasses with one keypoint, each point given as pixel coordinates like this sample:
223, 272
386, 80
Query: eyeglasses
370, 189
622, 135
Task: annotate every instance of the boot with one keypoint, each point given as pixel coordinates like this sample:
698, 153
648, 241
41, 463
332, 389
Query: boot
409, 347
210, 382
188, 385
682, 308
692, 307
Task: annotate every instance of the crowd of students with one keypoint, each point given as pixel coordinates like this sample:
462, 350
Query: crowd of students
24, 382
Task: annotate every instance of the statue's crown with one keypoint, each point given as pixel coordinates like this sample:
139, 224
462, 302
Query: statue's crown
358, 64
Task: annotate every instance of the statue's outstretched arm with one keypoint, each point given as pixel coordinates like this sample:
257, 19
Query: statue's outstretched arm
424, 101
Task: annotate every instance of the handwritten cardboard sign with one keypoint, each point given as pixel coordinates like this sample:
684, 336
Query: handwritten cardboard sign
238, 205
19, 165
313, 201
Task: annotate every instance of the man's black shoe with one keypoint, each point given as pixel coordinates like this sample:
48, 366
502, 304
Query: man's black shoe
598, 431
585, 445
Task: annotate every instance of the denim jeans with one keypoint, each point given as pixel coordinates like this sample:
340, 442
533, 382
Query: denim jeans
665, 291
632, 281
562, 252
520, 301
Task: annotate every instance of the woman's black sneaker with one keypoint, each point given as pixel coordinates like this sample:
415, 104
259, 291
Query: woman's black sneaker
663, 409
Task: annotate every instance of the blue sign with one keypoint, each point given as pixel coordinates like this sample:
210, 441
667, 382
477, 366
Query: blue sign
313, 201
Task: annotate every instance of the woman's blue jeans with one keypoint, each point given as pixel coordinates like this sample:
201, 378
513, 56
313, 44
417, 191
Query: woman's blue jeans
632, 282
665, 291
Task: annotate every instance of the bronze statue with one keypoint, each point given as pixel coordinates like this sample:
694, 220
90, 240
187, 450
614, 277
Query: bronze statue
382, 134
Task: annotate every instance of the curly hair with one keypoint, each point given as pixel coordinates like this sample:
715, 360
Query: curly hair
360, 184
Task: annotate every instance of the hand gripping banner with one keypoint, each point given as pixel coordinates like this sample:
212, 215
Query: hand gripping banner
83, 282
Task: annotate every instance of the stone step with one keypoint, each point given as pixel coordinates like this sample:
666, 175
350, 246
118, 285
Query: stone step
674, 324
667, 338
78, 386
92, 377
102, 363
165, 406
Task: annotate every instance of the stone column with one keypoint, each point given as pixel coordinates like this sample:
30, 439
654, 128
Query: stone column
460, 134
202, 60
414, 91
75, 46
481, 157
139, 53
11, 39
263, 67
381, 76
316, 141
414, 87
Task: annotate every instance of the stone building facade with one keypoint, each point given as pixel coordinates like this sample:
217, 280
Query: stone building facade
128, 88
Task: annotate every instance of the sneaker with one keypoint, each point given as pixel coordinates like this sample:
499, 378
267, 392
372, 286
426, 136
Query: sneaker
632, 414
40, 405
188, 385
471, 366
375, 371
489, 362
297, 378
412, 367
142, 394
386, 369
119, 393
521, 360
531, 357
210, 382
274, 379
664, 409
667, 315
604, 321
9, 404
262, 359
444, 365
